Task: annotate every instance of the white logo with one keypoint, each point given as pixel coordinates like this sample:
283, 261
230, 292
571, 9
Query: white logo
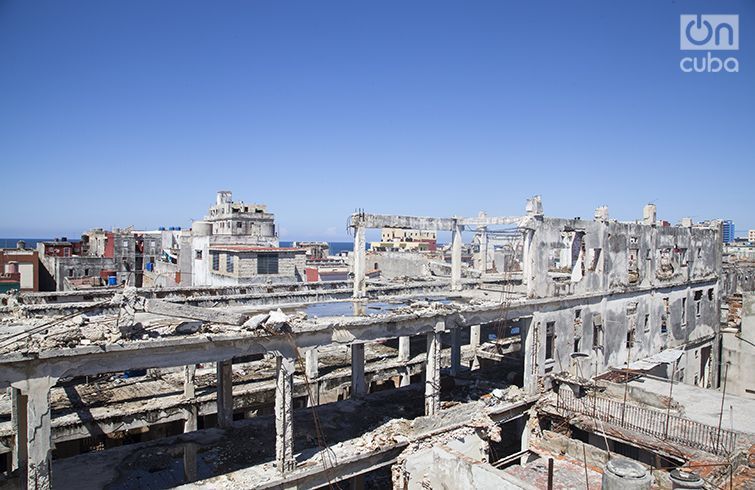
709, 32
702, 32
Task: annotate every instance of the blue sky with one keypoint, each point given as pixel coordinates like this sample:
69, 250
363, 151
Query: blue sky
120, 113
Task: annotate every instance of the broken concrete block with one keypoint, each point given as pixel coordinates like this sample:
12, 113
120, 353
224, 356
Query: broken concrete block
278, 321
256, 321
188, 328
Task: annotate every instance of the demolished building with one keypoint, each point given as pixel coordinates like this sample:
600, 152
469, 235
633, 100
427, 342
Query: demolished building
591, 365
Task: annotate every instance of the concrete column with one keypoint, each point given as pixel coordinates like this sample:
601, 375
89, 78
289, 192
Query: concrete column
455, 351
456, 240
432, 374
474, 335
524, 430
358, 382
38, 433
356, 482
190, 423
404, 348
284, 415
404, 354
474, 341
527, 272
483, 249
190, 462
19, 424
225, 393
312, 371
190, 372
531, 338
360, 285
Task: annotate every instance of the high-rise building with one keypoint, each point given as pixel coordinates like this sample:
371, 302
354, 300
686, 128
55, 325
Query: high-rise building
728, 231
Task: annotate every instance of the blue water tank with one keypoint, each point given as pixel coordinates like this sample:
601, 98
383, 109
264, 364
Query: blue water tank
112, 281
149, 266
162, 228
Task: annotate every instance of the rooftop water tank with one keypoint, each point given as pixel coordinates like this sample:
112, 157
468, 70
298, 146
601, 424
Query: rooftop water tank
11, 267
685, 479
626, 474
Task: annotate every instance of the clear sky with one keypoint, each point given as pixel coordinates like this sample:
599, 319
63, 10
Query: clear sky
116, 113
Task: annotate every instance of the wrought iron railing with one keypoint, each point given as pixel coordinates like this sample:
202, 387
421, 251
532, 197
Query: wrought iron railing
661, 425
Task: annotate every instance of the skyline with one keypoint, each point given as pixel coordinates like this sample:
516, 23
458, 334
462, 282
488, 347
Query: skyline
136, 114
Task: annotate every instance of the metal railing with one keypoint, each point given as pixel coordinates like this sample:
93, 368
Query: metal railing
663, 426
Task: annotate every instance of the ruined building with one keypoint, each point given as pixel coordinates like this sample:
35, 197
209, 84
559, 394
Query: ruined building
594, 361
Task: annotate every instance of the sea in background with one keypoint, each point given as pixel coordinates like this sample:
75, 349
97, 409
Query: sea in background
335, 247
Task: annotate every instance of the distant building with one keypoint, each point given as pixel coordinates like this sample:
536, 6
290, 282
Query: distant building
242, 220
751, 236
399, 239
65, 268
235, 243
727, 228
243, 264
100, 258
19, 268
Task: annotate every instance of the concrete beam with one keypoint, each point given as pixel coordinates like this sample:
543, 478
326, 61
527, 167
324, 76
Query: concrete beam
178, 351
284, 415
225, 393
432, 373
430, 223
178, 310
406, 222
358, 381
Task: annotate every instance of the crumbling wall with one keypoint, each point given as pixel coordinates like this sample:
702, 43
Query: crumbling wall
581, 256
450, 461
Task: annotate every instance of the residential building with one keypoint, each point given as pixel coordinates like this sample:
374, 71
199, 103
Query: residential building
728, 233
21, 267
399, 239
